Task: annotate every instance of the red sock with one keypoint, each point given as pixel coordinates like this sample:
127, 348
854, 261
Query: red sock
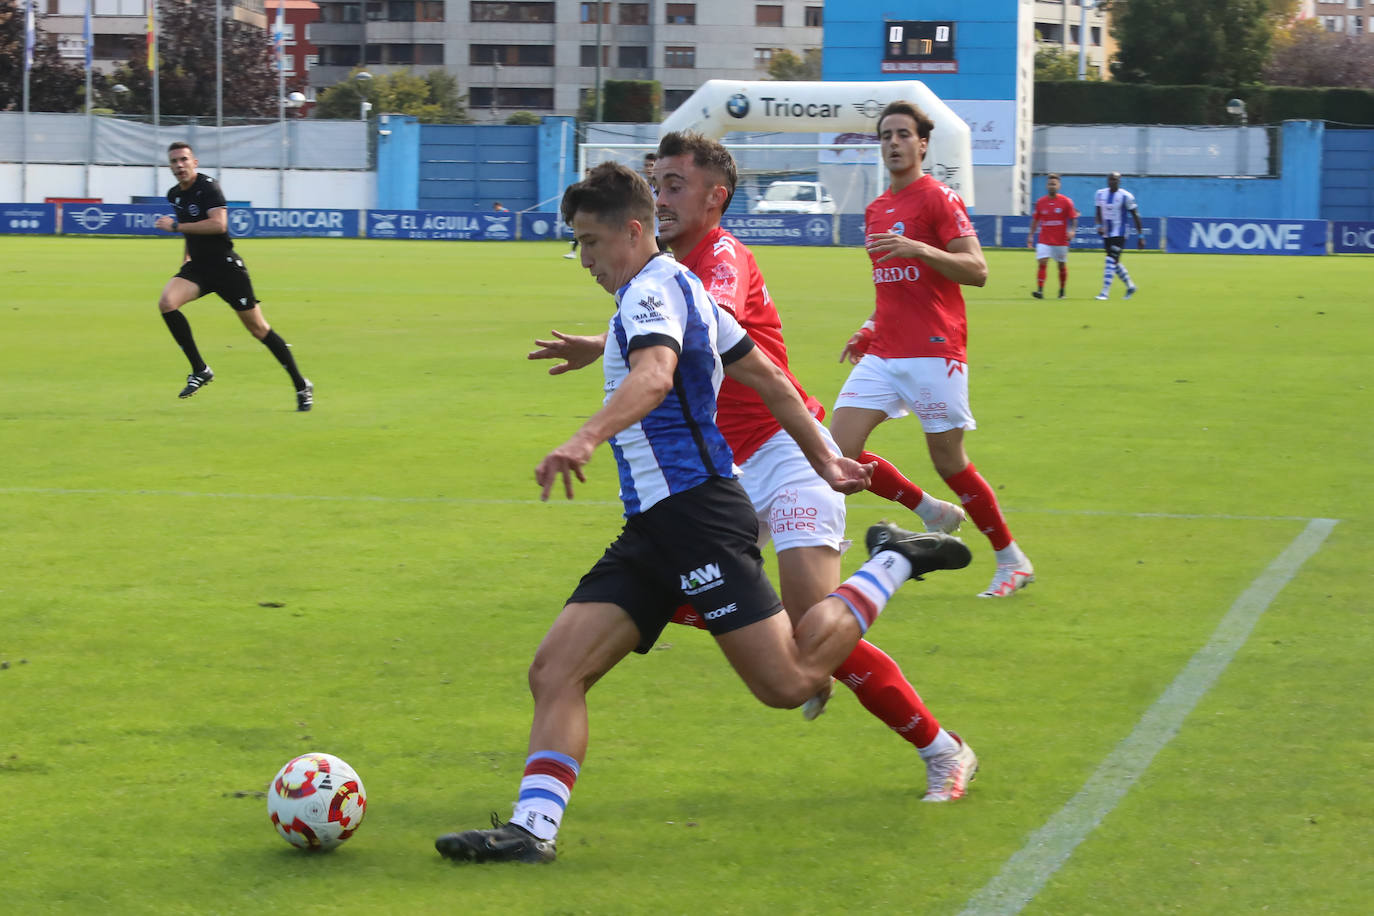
981, 505
1040, 276
889, 483
1063, 275
884, 691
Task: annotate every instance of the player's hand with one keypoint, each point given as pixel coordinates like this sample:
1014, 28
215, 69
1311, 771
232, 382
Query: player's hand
845, 475
566, 460
1102, 231
165, 223
576, 352
893, 245
857, 346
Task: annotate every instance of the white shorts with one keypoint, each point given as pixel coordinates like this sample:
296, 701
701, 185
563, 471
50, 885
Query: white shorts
796, 507
932, 387
1058, 252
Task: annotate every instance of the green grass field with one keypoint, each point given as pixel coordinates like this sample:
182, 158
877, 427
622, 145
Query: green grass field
192, 592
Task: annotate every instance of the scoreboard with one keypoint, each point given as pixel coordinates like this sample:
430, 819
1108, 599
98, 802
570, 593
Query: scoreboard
919, 47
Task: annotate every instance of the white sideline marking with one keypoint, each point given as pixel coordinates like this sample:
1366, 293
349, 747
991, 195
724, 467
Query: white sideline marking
1028, 870
464, 500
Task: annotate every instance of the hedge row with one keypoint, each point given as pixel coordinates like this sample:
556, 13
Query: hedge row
1074, 102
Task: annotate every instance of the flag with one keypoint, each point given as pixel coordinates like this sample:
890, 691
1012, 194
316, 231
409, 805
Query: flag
279, 35
152, 36
28, 34
90, 39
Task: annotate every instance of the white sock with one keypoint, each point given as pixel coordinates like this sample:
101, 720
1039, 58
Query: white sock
944, 743
1010, 555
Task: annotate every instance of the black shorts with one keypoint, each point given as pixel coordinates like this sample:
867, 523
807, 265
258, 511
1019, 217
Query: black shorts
699, 547
229, 280
1115, 246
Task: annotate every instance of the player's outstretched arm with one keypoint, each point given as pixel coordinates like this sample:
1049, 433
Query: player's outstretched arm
844, 475
644, 388
577, 352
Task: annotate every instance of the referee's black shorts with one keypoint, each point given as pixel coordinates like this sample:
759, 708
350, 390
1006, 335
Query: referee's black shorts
698, 547
228, 279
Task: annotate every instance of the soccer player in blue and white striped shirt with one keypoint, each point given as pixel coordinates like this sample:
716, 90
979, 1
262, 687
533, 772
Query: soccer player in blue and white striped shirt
1113, 203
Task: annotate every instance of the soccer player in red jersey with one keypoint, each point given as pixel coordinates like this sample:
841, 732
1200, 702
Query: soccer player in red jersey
803, 516
910, 354
1057, 220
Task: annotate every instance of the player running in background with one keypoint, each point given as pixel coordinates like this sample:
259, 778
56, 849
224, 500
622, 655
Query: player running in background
803, 516
210, 265
910, 355
1057, 220
1113, 203
690, 530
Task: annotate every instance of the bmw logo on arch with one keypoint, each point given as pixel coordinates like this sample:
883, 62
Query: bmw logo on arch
738, 105
241, 222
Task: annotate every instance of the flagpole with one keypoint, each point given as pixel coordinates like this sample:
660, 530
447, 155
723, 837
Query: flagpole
154, 73
279, 38
90, 102
219, 91
24, 121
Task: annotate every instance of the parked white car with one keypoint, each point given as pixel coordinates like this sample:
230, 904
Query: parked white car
795, 197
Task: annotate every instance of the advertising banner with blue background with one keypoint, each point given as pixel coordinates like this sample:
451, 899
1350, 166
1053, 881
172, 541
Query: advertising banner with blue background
781, 229
38, 219
1247, 236
536, 226
471, 225
112, 219
1357, 237
273, 222
1016, 228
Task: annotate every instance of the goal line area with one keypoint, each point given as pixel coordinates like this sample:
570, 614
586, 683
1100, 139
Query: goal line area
805, 178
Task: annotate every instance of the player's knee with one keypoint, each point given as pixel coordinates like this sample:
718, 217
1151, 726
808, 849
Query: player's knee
781, 692
552, 673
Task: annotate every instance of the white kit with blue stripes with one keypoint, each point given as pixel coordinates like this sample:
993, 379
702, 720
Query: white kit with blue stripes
677, 445
1114, 206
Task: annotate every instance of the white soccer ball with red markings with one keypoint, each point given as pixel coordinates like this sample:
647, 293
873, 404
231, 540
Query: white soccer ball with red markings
316, 801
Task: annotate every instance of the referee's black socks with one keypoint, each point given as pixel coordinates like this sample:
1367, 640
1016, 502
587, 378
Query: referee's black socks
181, 333
282, 351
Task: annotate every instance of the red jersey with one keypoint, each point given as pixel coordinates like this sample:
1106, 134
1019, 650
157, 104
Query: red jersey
920, 311
1052, 215
728, 271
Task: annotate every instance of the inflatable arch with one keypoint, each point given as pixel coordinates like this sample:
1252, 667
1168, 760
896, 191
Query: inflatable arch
722, 106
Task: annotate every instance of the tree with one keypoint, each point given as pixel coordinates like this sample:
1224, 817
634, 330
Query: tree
524, 117
1056, 64
432, 99
54, 85
186, 67
787, 66
1193, 42
1305, 54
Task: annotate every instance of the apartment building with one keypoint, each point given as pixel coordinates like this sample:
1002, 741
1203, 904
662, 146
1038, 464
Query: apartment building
1351, 17
542, 55
119, 28
1061, 24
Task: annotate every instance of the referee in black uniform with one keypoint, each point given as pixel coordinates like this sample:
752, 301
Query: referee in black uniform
211, 265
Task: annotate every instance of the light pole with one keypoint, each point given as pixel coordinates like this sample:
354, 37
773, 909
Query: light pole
1083, 40
293, 101
495, 86
1236, 108
364, 106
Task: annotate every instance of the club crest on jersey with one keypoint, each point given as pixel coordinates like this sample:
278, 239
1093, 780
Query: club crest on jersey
650, 309
898, 227
724, 281
193, 210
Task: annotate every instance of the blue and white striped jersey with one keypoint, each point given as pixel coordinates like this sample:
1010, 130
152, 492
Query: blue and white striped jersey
1114, 206
677, 445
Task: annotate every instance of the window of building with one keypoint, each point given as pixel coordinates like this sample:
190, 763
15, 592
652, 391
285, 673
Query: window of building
374, 54
511, 55
429, 54
681, 14
399, 54
681, 57
340, 12
589, 12
1356, 4
1073, 34
673, 98
529, 97
633, 56
767, 14
634, 14
1095, 34
588, 58
400, 11
311, 62
429, 11
1050, 31
376, 10
815, 16
763, 57
117, 47
1356, 25
486, 11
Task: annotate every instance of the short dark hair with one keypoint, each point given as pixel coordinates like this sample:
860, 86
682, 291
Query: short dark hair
1054, 175
924, 125
613, 193
179, 144
651, 157
707, 154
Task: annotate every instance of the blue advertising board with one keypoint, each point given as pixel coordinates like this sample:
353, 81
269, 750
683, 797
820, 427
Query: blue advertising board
536, 226
276, 222
1016, 228
473, 225
986, 227
1347, 237
28, 219
1247, 236
782, 229
112, 219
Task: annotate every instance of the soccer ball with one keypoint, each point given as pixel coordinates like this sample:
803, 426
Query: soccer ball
316, 801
